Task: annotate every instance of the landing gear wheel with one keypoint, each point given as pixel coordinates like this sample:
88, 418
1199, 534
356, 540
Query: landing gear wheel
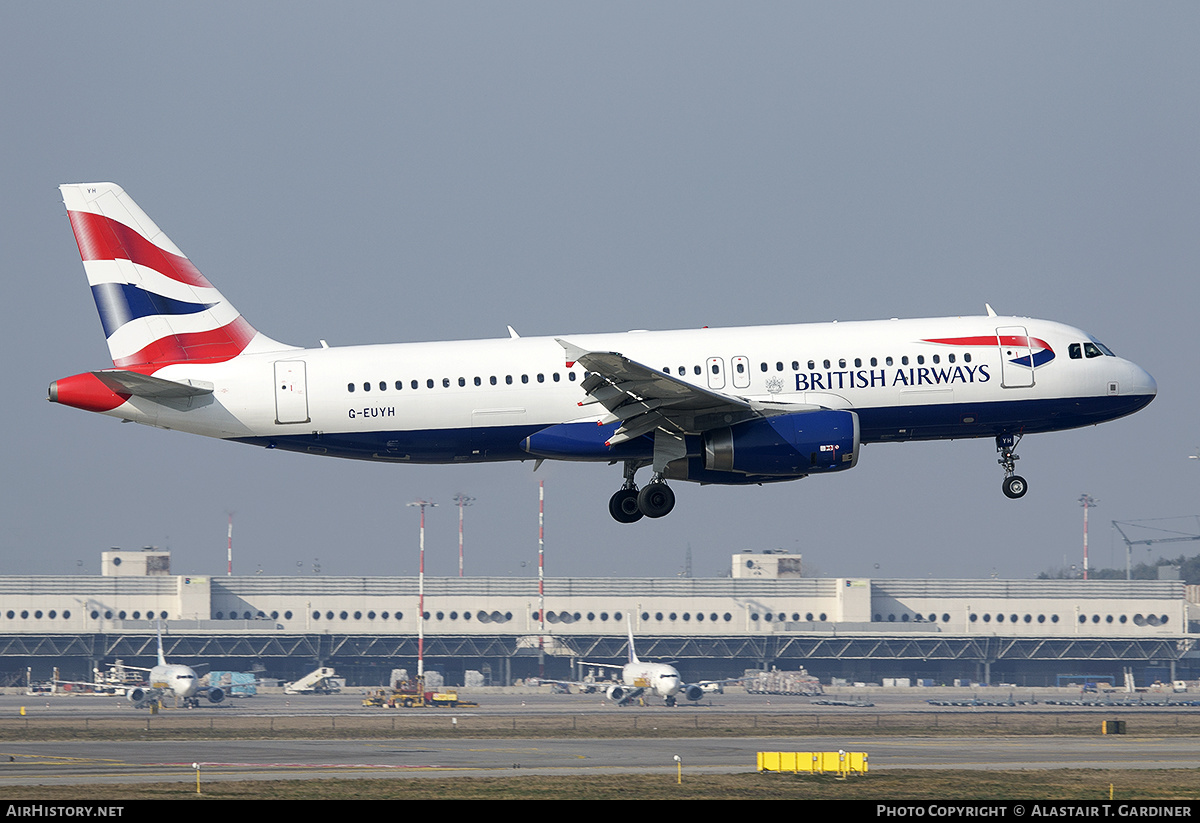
1015, 487
656, 500
623, 506
670, 701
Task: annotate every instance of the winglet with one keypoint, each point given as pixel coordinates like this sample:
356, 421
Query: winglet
572, 351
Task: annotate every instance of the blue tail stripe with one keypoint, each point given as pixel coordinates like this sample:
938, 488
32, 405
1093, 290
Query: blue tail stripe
118, 303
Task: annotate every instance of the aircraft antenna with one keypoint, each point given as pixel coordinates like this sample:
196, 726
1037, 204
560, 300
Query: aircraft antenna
423, 504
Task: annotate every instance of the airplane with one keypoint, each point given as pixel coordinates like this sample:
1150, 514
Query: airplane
729, 406
639, 677
173, 679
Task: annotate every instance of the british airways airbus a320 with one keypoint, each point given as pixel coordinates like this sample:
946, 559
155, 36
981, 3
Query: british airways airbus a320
725, 406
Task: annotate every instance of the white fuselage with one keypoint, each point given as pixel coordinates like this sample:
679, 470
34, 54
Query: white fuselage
659, 678
475, 400
172, 678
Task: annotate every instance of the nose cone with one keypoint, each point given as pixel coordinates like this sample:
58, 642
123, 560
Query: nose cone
1139, 382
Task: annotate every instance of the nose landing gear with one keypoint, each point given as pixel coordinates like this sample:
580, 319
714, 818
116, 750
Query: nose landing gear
1014, 485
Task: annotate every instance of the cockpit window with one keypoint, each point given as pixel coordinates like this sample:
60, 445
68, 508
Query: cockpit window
1103, 349
1075, 351
1092, 350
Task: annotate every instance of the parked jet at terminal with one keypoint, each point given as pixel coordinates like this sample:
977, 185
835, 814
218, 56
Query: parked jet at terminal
725, 406
176, 680
639, 679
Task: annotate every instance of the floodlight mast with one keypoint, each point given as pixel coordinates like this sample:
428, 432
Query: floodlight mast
1088, 502
461, 500
423, 504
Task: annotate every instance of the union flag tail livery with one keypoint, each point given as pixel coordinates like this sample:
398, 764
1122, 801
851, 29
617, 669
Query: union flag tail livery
156, 308
724, 406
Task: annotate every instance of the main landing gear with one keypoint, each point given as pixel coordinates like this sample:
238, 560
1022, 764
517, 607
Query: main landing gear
629, 504
1014, 485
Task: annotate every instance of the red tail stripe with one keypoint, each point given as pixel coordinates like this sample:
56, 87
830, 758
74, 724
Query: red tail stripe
100, 238
214, 346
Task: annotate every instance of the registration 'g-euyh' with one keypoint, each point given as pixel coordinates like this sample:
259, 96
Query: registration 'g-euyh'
726, 406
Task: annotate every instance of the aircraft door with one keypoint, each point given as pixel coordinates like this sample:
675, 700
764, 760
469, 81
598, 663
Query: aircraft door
715, 367
741, 372
291, 392
1016, 357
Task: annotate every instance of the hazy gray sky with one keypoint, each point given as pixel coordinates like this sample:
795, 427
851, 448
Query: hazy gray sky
384, 172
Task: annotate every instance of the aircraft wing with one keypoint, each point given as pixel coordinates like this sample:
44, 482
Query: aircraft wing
646, 399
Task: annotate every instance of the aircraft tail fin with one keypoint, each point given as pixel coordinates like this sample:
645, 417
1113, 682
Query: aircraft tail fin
632, 654
162, 659
157, 309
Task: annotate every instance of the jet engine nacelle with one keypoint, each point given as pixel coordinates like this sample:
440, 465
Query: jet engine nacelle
693, 692
215, 694
794, 445
140, 696
617, 694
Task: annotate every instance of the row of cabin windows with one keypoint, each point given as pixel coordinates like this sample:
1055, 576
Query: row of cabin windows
740, 367
462, 382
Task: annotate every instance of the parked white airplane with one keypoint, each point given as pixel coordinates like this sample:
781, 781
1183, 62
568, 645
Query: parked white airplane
639, 678
726, 406
176, 680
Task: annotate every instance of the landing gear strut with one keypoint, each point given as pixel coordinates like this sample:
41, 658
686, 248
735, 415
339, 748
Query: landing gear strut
629, 504
1014, 485
623, 505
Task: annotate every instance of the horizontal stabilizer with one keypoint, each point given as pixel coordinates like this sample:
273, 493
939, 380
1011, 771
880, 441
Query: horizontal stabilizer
143, 385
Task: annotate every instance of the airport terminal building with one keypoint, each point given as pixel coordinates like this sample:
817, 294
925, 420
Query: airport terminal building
1026, 632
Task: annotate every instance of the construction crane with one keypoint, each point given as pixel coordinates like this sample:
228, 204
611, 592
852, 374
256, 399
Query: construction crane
1175, 536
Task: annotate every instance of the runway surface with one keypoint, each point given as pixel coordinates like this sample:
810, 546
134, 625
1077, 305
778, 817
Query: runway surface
84, 762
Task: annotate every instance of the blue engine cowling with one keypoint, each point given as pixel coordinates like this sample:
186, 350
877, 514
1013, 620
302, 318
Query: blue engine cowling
792, 445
